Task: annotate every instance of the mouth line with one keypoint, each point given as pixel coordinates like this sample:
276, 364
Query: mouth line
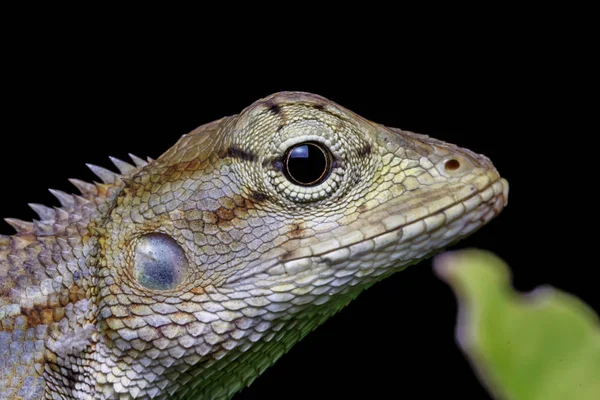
276, 266
420, 219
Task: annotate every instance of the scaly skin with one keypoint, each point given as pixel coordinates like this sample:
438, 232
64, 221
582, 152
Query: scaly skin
186, 277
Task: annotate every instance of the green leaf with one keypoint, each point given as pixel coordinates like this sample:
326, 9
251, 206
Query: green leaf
540, 346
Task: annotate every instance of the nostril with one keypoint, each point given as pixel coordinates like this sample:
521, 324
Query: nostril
452, 165
456, 165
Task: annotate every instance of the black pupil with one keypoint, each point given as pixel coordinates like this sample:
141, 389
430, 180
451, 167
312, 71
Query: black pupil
307, 164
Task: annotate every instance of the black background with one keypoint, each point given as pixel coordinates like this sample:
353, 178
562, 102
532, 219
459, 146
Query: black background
70, 100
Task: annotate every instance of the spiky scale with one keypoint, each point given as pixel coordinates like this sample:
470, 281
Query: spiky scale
65, 199
19, 225
105, 175
84, 188
20, 242
62, 215
138, 161
45, 213
123, 167
43, 228
80, 201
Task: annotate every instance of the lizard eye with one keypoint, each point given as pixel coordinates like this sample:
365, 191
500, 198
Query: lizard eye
310, 161
307, 164
159, 262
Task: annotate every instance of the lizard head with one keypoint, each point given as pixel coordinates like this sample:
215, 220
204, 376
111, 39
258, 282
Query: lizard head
189, 275
252, 230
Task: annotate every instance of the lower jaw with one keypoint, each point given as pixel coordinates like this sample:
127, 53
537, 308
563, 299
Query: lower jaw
424, 237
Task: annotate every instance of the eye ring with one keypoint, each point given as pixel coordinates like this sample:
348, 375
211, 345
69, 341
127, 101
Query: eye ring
307, 164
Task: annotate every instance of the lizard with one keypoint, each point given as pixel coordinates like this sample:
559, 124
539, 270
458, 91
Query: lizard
187, 276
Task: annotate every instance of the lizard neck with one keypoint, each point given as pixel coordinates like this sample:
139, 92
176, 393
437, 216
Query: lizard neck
47, 293
222, 377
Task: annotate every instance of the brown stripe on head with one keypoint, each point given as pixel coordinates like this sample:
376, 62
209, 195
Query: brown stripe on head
277, 103
273, 108
54, 310
235, 152
297, 230
237, 207
258, 197
365, 151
